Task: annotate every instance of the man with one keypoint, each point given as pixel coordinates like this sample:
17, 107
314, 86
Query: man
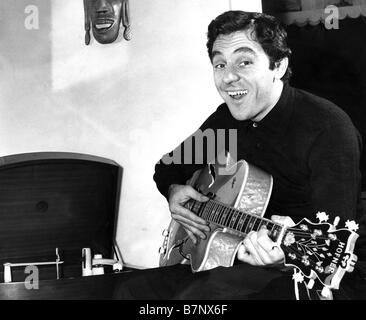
306, 143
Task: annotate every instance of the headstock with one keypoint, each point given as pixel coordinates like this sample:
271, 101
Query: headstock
320, 251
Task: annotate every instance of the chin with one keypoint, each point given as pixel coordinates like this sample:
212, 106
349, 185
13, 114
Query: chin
237, 115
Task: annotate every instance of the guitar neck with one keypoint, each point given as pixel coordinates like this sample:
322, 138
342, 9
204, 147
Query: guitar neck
233, 219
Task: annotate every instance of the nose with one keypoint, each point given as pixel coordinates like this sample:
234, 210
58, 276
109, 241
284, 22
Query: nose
230, 75
102, 6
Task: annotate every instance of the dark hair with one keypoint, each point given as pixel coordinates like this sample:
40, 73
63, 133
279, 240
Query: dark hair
266, 30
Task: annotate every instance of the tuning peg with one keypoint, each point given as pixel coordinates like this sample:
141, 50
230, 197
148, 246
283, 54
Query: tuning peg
333, 227
162, 250
310, 284
165, 232
352, 263
326, 294
335, 222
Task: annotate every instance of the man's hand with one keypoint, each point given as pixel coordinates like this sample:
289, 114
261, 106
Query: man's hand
259, 250
193, 224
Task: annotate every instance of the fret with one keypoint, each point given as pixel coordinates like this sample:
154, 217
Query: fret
210, 208
233, 220
224, 215
217, 213
254, 222
227, 217
237, 219
241, 221
212, 213
202, 209
221, 212
223, 208
261, 222
208, 204
250, 224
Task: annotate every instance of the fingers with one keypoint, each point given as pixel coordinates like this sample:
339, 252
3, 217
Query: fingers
194, 220
178, 196
194, 194
190, 235
258, 249
196, 229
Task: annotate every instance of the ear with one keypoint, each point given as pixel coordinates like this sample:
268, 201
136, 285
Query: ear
281, 68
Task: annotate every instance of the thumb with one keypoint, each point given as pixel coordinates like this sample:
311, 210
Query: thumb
284, 220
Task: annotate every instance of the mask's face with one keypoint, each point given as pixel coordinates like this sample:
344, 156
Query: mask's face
105, 18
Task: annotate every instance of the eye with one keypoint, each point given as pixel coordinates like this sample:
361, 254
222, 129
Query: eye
245, 63
219, 66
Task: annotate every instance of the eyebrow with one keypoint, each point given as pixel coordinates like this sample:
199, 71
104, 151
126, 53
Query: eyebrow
238, 50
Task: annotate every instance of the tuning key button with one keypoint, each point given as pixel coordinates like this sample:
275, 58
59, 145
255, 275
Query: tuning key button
162, 250
332, 236
305, 260
165, 232
292, 256
320, 269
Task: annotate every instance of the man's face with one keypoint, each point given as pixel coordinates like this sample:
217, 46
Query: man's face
106, 18
243, 77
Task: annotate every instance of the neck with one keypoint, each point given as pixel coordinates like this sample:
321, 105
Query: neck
274, 97
231, 218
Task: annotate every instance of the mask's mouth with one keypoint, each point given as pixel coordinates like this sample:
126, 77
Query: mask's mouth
237, 95
103, 25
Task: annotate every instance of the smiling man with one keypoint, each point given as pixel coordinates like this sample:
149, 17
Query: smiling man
308, 144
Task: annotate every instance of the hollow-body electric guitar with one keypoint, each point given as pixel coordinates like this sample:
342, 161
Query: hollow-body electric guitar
239, 195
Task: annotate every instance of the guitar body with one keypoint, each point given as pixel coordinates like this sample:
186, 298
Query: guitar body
240, 186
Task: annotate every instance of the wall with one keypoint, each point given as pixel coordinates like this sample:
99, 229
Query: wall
127, 101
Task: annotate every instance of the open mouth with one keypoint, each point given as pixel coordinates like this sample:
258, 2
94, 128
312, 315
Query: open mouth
237, 95
103, 25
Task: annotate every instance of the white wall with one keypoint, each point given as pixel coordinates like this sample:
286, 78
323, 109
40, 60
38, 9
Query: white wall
127, 101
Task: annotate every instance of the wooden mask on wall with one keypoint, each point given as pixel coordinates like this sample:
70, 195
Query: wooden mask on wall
104, 18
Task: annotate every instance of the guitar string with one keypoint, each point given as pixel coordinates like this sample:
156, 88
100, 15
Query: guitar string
214, 205
298, 255
220, 208
239, 212
220, 214
306, 234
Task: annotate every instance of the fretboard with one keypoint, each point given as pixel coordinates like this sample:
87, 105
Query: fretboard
237, 220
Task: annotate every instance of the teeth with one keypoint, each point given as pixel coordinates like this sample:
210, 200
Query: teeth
237, 93
103, 25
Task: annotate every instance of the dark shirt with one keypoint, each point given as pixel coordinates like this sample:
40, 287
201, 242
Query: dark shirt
309, 146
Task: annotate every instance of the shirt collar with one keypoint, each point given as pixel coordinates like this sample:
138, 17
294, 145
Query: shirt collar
277, 120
